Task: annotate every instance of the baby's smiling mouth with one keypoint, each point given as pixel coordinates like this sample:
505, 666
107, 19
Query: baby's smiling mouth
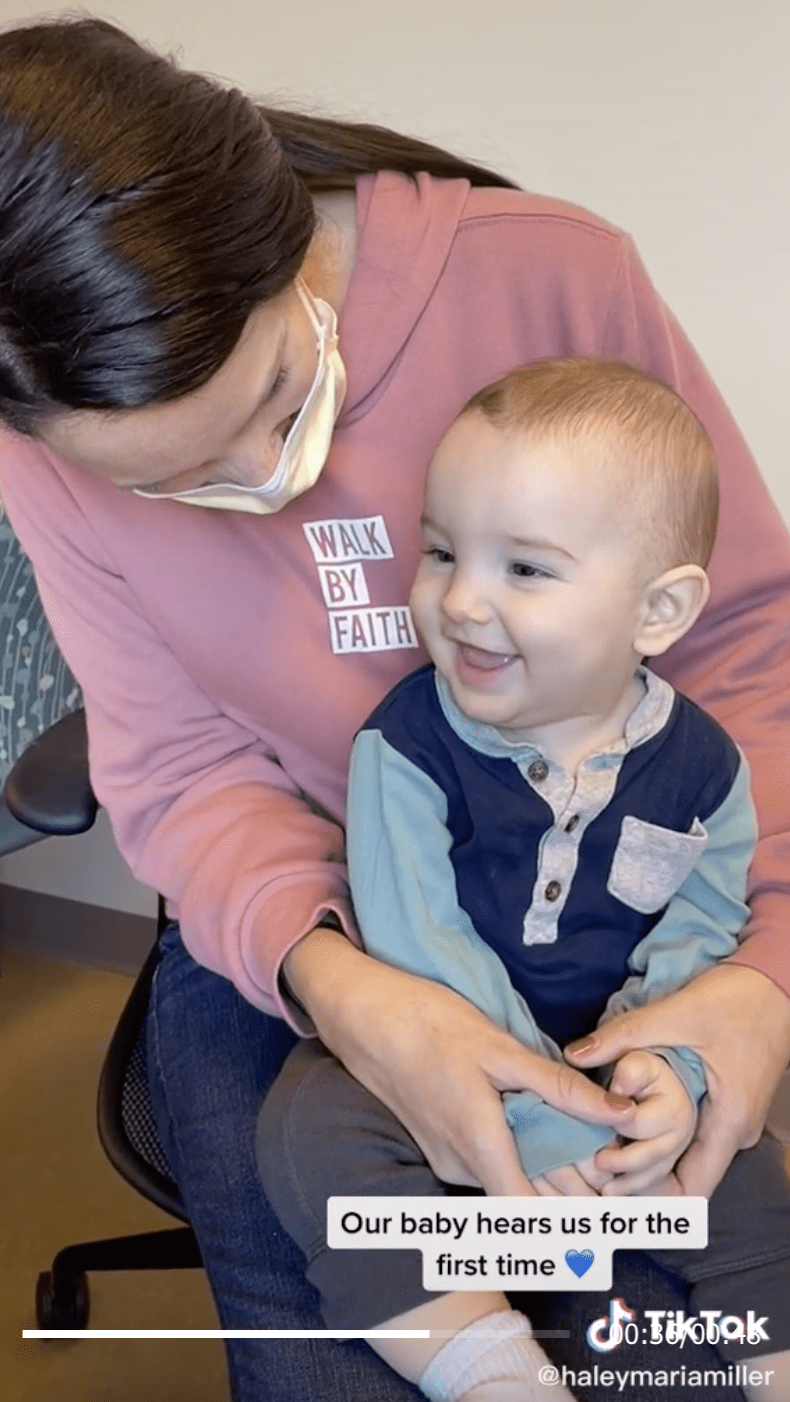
482, 658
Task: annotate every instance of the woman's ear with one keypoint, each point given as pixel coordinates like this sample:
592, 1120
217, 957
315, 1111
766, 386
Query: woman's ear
672, 604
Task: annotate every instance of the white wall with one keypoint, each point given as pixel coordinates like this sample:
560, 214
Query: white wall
670, 117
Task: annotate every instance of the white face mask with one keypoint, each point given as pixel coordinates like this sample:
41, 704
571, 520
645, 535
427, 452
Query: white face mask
306, 446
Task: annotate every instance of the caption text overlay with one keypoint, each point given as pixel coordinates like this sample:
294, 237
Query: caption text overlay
536, 1243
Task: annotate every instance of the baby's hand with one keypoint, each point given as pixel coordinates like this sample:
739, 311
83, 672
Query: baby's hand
582, 1179
661, 1128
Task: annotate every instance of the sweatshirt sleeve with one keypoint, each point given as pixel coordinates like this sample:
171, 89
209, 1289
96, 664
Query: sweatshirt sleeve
735, 662
199, 808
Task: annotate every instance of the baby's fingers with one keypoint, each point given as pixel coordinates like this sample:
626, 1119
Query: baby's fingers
657, 1182
568, 1181
663, 1114
635, 1074
544, 1188
593, 1175
638, 1164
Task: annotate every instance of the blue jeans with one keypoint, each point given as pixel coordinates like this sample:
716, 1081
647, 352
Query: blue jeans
211, 1059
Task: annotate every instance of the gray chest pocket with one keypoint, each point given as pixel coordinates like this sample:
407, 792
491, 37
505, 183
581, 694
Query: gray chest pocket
651, 863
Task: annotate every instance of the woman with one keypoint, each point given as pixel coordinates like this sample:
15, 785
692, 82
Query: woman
172, 258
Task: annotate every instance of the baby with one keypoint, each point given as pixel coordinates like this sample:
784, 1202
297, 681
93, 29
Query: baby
539, 822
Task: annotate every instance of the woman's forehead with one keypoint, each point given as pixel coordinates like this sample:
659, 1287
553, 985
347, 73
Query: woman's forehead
123, 445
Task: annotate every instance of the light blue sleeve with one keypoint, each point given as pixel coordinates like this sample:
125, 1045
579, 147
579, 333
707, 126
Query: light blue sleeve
701, 924
404, 893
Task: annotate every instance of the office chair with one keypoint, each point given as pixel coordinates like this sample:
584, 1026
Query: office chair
47, 792
36, 687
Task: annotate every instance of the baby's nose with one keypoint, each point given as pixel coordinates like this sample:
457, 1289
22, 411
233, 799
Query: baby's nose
463, 599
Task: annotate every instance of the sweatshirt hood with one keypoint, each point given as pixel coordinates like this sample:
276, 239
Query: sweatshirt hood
404, 234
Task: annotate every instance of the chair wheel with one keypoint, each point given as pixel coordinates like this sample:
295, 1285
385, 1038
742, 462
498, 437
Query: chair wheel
70, 1309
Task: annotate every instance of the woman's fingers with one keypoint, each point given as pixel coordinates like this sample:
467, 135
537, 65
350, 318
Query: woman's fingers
738, 1022
636, 1164
718, 1139
466, 1140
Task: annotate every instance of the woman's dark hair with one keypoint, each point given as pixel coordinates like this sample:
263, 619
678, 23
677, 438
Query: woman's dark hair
145, 211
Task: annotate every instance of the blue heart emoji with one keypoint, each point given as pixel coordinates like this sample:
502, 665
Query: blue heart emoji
580, 1261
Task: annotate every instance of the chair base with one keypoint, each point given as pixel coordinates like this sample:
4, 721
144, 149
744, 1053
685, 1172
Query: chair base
68, 1308
62, 1294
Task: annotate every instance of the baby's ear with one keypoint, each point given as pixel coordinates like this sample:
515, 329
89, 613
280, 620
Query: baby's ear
672, 604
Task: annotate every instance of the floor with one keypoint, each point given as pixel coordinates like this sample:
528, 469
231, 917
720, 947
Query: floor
56, 1187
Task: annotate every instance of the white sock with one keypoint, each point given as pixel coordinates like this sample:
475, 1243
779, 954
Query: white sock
497, 1348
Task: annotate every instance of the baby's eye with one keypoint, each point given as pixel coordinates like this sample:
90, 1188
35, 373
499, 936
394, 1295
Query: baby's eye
437, 553
524, 571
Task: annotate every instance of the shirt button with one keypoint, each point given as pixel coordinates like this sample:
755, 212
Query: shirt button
572, 823
552, 891
538, 770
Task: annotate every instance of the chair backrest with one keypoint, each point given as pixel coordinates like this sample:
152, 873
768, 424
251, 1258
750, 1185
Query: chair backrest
36, 686
36, 690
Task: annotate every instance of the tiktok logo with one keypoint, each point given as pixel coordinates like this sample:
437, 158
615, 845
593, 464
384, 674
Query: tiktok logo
608, 1332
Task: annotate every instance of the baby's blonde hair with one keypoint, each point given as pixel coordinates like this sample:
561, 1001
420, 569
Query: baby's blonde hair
629, 421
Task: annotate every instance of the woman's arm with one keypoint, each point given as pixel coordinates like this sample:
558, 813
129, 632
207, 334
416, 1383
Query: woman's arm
200, 806
437, 1062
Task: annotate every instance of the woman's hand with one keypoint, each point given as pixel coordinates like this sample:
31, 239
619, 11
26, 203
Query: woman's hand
738, 1022
435, 1061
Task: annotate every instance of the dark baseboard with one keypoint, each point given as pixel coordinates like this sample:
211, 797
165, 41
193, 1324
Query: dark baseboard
74, 931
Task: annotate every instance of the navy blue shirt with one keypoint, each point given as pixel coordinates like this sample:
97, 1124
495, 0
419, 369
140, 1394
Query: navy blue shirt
498, 821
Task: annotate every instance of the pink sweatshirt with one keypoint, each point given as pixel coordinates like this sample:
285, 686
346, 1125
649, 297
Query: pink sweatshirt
227, 659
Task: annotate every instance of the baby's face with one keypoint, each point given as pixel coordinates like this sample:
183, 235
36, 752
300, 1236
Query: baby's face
528, 597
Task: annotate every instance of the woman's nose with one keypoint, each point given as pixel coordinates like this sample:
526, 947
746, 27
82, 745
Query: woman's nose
262, 457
